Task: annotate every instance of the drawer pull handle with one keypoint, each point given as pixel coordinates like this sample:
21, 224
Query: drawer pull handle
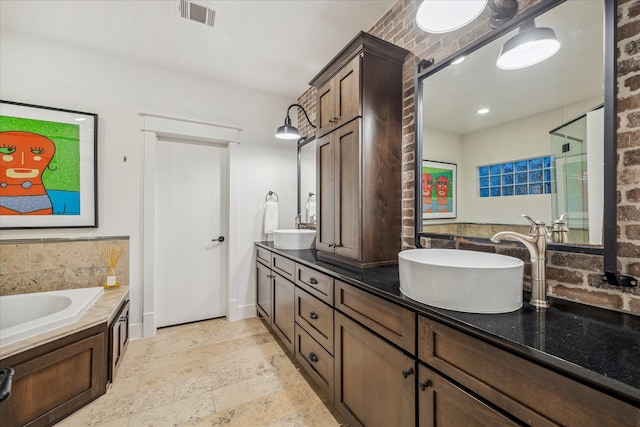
313, 280
313, 357
407, 372
425, 385
313, 315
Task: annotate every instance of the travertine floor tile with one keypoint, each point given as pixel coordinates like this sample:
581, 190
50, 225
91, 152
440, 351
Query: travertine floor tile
210, 373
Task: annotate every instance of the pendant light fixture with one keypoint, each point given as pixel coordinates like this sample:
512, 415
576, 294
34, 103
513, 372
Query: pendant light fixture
530, 46
287, 131
441, 16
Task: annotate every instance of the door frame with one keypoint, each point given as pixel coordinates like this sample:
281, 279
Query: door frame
155, 127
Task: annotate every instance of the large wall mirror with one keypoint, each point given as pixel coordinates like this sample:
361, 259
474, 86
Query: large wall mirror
307, 181
540, 149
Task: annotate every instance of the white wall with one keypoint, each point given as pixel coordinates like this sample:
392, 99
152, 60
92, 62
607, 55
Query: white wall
42, 72
520, 139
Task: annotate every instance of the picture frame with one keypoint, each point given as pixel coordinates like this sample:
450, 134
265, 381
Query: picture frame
439, 190
48, 167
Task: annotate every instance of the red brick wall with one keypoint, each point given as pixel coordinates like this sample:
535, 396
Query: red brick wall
571, 276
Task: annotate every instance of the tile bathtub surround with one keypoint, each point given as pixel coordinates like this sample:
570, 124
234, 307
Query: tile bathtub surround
398, 27
210, 373
52, 266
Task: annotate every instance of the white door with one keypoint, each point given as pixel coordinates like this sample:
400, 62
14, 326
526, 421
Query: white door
190, 215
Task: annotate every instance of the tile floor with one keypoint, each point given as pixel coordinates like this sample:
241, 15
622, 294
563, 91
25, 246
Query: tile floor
210, 373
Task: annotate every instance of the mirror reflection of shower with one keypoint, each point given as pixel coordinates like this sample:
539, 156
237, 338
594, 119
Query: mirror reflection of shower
577, 175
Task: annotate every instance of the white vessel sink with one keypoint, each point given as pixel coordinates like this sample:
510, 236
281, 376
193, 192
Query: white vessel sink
294, 239
468, 281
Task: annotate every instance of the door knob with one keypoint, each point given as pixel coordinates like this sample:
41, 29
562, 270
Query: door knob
219, 239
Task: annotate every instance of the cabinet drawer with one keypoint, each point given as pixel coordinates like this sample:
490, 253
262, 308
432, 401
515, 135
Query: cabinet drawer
317, 284
393, 322
316, 361
263, 255
525, 389
315, 317
284, 266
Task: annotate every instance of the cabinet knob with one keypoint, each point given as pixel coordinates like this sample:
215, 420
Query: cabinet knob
332, 245
424, 385
407, 372
313, 357
313, 280
313, 315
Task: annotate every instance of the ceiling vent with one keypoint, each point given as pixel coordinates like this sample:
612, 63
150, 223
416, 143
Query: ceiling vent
196, 12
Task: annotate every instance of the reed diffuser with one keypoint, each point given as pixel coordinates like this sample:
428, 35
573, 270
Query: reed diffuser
111, 255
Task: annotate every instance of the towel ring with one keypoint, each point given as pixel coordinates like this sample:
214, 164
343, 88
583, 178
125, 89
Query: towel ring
271, 195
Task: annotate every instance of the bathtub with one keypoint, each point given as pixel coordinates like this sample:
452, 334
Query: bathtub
27, 315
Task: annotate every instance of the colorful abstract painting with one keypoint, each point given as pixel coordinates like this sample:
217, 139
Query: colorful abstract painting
439, 182
47, 167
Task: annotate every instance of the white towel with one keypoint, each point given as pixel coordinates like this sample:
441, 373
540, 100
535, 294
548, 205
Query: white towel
311, 210
270, 216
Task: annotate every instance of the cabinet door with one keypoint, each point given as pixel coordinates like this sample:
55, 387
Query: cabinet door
441, 404
375, 382
347, 190
283, 310
264, 292
326, 107
325, 237
347, 92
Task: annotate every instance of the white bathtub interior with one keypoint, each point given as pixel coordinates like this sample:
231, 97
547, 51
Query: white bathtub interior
27, 315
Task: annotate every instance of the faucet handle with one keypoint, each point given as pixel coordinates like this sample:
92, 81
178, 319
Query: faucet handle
537, 227
534, 223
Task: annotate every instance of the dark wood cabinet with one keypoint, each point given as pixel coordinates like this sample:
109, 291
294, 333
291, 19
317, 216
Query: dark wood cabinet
55, 379
283, 310
374, 381
264, 294
359, 153
525, 390
338, 163
118, 339
442, 404
338, 100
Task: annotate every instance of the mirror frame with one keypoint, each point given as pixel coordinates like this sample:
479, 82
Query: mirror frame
301, 143
426, 68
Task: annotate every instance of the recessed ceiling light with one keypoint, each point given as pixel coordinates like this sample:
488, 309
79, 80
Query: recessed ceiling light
483, 111
458, 60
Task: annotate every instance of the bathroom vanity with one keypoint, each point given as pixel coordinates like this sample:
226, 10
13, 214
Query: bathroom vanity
384, 359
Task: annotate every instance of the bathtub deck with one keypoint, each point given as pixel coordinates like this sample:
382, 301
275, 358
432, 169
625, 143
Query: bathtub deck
101, 312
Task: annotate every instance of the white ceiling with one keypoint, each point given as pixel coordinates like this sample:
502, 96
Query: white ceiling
275, 46
453, 95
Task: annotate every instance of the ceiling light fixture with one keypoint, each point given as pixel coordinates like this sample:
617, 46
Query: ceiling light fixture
287, 131
483, 110
441, 16
530, 46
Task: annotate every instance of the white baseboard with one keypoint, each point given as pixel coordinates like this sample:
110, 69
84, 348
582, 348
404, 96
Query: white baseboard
135, 331
246, 311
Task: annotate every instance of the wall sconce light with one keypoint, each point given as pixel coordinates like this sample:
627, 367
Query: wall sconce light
441, 16
530, 46
287, 131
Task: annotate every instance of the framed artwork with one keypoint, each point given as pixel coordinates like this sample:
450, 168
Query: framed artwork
439, 181
48, 167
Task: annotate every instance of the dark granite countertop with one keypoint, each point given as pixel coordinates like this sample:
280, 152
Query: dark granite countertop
593, 345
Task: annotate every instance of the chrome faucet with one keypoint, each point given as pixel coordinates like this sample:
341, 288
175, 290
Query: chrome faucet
536, 243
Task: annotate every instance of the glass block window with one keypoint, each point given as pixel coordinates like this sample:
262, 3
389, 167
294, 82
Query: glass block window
515, 178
